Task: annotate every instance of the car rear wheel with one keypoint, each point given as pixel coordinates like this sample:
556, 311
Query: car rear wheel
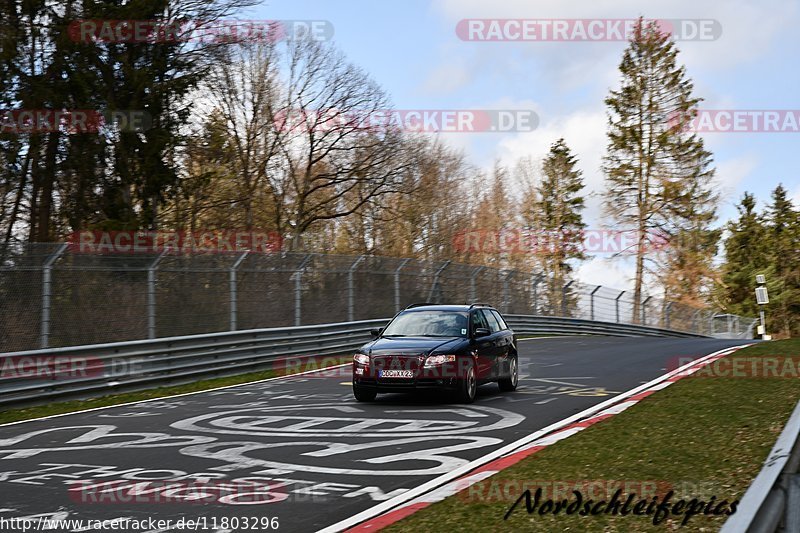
509, 383
468, 385
364, 395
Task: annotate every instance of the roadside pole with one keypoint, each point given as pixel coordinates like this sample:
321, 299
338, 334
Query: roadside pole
762, 299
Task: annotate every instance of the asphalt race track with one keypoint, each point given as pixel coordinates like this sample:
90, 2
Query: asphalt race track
301, 449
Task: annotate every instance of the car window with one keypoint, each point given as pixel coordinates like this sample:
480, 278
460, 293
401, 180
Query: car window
494, 325
478, 321
428, 324
500, 319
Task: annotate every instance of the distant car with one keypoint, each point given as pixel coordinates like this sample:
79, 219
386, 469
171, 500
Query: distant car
452, 348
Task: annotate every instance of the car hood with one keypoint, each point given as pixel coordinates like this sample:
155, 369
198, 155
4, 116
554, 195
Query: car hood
410, 345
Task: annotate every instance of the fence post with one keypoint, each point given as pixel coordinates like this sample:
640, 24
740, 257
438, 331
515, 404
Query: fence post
506, 291
436, 279
233, 290
151, 296
298, 276
644, 310
298, 290
694, 321
472, 289
351, 296
616, 304
564, 297
536, 281
591, 300
47, 293
667, 313
397, 285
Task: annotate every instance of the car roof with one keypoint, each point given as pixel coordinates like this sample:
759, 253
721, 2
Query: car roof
445, 307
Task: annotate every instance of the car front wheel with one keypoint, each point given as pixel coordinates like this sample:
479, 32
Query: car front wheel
468, 385
363, 394
509, 383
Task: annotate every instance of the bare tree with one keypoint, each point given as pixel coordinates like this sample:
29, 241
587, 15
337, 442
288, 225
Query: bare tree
332, 148
422, 219
243, 92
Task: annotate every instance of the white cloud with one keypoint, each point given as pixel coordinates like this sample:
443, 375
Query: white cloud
730, 174
748, 30
585, 134
487, 142
614, 273
796, 196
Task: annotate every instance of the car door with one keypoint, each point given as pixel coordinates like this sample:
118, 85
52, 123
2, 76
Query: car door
483, 345
497, 348
506, 341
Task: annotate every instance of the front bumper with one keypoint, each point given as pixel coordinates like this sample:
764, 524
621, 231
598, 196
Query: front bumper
444, 376
407, 385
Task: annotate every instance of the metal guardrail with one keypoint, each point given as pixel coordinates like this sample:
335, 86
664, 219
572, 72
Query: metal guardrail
772, 502
548, 325
120, 366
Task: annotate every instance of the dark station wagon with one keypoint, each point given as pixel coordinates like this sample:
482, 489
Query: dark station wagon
453, 348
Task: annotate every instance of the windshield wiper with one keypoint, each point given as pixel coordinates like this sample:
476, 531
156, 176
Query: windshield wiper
420, 335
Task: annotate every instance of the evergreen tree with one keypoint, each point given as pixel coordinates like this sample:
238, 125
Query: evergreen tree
116, 177
559, 220
658, 175
783, 236
746, 255
687, 271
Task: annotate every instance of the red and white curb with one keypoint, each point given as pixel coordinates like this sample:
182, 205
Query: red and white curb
406, 504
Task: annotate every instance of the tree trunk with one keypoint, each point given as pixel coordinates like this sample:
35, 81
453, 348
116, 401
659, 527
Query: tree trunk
637, 287
43, 227
23, 180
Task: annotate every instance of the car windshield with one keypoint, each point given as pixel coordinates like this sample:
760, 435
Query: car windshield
428, 324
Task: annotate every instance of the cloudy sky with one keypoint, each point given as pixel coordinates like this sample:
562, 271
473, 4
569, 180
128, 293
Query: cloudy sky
412, 49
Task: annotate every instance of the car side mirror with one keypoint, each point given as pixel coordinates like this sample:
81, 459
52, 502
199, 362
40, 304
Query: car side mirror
482, 332
376, 332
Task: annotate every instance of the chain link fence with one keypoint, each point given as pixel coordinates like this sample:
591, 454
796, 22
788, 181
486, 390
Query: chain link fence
52, 295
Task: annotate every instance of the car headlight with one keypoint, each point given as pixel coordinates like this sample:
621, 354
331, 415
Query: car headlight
435, 360
361, 358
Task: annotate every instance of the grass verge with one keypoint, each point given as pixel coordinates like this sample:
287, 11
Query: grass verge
703, 436
39, 411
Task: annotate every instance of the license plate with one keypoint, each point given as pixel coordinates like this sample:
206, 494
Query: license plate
395, 374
